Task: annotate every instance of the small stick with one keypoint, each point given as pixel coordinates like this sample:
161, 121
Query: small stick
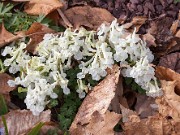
66, 21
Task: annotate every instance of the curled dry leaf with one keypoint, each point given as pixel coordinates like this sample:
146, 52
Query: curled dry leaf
150, 40
21, 121
97, 101
174, 27
167, 74
136, 22
7, 37
178, 34
145, 106
4, 87
37, 7
171, 61
169, 102
90, 17
36, 33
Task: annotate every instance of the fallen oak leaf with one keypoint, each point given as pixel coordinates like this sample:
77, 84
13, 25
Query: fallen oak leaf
90, 17
167, 74
21, 121
169, 102
37, 7
96, 101
4, 87
7, 37
36, 33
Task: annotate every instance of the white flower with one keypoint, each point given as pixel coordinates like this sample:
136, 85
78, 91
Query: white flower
153, 89
142, 71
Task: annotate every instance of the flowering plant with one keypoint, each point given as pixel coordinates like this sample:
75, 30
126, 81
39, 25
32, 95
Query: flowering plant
92, 51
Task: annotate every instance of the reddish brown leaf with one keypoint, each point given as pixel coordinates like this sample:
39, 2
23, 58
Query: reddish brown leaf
90, 17
136, 22
150, 40
178, 34
36, 32
21, 121
174, 26
37, 7
171, 61
6, 37
167, 74
4, 87
97, 101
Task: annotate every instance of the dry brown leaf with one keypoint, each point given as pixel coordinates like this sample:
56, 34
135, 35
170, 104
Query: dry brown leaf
37, 7
178, 34
97, 101
145, 106
21, 121
90, 17
4, 87
171, 61
126, 113
136, 22
36, 32
174, 26
154, 125
50, 126
170, 101
100, 124
6, 37
150, 40
167, 74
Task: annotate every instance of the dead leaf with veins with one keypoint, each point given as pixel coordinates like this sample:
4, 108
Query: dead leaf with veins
97, 102
170, 101
21, 121
37, 7
7, 37
36, 33
89, 17
4, 87
167, 74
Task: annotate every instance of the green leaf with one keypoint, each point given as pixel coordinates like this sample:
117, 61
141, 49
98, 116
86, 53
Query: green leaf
3, 105
128, 80
21, 89
36, 129
5, 125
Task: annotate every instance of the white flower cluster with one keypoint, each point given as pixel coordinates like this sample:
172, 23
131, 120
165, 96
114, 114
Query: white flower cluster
94, 51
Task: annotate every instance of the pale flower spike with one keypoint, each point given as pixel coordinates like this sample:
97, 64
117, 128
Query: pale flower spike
94, 51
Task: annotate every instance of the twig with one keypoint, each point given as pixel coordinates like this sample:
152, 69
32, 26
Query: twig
66, 21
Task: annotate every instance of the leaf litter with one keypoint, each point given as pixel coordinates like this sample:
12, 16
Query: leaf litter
107, 104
